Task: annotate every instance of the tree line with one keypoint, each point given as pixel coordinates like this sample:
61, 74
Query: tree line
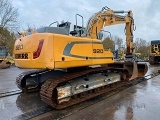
141, 46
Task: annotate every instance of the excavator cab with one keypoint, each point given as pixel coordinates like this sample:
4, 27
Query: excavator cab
69, 28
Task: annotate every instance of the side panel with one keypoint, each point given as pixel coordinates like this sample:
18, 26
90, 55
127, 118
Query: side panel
100, 55
54, 51
72, 51
76, 51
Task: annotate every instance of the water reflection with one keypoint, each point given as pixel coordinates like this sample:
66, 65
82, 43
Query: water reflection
30, 101
126, 104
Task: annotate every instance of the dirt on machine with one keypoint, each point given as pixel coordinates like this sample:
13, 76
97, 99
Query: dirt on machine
70, 60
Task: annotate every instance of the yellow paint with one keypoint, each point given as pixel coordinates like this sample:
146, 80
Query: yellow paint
52, 53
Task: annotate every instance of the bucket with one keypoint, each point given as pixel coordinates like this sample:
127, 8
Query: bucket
135, 69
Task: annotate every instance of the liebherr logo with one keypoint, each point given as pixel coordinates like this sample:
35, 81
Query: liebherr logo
19, 47
21, 56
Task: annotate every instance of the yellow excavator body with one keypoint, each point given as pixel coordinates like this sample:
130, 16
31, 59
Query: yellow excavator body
56, 51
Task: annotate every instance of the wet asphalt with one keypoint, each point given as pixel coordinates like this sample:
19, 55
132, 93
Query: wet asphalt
139, 102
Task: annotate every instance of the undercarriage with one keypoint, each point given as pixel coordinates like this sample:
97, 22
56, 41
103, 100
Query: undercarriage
154, 59
62, 88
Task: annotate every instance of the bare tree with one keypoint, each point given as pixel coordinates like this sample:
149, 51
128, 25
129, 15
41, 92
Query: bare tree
142, 46
111, 42
108, 44
118, 41
8, 22
8, 15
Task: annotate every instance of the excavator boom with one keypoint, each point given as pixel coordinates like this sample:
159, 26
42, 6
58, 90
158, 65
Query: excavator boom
108, 17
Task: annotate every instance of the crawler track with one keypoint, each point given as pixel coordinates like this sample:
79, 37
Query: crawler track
21, 80
48, 89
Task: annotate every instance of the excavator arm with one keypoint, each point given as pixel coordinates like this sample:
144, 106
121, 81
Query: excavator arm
108, 17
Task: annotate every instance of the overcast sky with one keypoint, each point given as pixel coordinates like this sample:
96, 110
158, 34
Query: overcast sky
37, 13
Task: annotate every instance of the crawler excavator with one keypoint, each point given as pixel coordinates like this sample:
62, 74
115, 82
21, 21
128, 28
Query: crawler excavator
72, 66
154, 56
